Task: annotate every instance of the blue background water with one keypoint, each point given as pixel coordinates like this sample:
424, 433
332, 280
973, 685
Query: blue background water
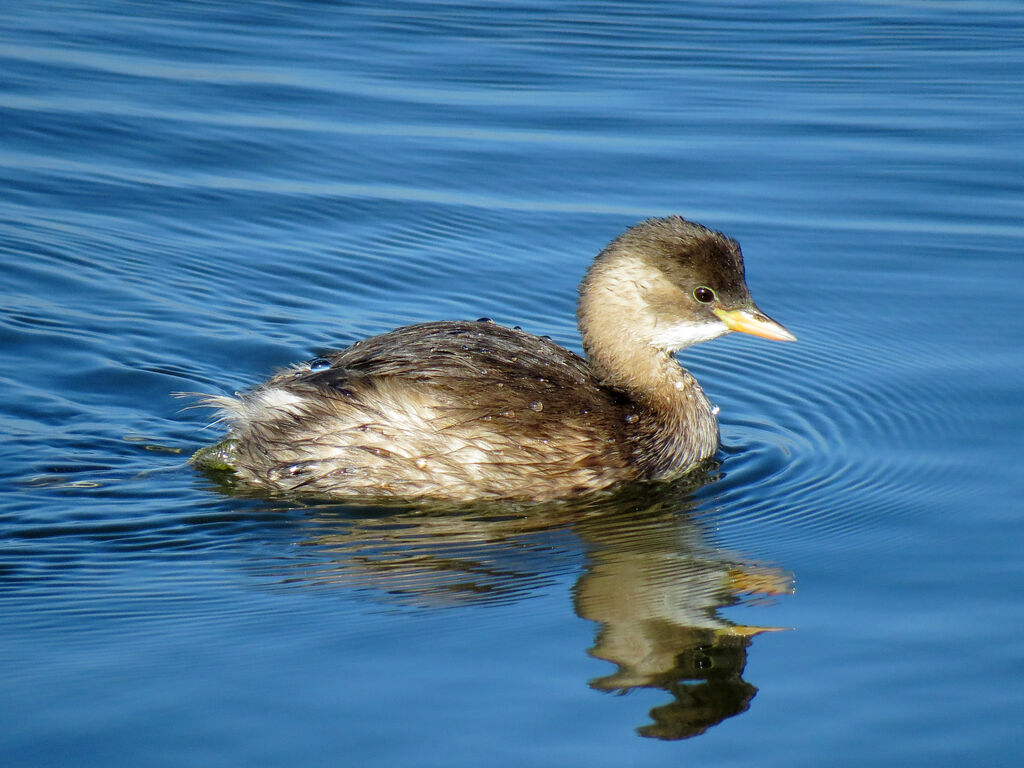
194, 194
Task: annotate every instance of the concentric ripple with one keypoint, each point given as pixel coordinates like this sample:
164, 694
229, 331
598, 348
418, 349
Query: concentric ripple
821, 441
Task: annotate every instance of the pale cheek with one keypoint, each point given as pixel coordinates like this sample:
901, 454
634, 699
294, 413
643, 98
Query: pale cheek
681, 335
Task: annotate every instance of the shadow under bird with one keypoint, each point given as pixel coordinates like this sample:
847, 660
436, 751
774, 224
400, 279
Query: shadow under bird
460, 410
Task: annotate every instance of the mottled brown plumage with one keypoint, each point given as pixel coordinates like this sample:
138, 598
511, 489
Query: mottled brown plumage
468, 410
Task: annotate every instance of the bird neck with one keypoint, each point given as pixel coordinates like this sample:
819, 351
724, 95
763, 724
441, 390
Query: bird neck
619, 330
676, 425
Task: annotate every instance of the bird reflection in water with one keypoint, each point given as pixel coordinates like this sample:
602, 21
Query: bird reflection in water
652, 579
655, 590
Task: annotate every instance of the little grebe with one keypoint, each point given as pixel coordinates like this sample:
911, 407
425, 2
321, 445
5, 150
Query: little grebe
472, 410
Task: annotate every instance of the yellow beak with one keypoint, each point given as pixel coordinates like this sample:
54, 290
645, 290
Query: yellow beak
750, 320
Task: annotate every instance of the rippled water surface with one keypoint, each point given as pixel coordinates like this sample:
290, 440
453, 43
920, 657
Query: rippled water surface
194, 194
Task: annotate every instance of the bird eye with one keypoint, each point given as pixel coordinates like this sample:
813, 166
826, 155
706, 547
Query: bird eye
703, 294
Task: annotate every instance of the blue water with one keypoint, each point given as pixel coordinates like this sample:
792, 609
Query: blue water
194, 194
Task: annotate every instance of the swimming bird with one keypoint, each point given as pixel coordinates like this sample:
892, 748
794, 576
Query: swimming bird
467, 410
